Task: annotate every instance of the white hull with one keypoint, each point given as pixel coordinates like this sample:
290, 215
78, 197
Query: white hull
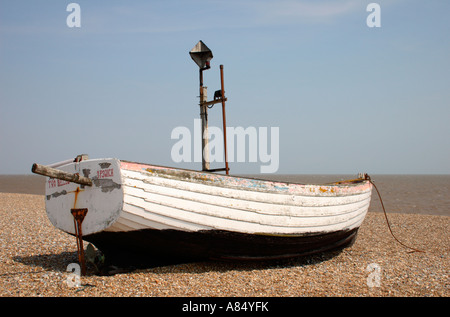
134, 197
164, 198
171, 203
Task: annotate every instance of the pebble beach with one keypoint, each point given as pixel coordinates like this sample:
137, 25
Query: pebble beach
35, 256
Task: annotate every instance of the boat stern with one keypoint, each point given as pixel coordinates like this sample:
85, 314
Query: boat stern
102, 201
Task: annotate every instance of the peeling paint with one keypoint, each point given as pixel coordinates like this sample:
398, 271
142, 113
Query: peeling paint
57, 194
86, 172
107, 185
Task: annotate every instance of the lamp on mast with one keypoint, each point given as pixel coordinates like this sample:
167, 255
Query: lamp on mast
202, 56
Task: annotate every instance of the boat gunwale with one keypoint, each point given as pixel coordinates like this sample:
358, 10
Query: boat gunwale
208, 178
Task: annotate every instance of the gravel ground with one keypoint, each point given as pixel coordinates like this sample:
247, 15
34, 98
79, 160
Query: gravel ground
34, 257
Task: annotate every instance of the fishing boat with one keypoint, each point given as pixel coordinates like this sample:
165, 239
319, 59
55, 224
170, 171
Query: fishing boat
155, 213
149, 213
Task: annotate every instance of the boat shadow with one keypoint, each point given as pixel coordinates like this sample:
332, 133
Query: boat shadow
59, 262
222, 266
56, 262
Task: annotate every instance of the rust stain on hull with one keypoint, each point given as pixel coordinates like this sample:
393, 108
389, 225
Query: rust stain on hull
77, 191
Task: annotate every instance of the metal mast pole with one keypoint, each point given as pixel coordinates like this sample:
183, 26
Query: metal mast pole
223, 118
204, 118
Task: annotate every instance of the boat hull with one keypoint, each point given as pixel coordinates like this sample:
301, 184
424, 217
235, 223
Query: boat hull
141, 248
154, 213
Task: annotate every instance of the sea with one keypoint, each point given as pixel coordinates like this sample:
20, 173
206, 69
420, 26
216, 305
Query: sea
413, 194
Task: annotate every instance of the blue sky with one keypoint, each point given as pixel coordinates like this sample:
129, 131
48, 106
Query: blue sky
346, 98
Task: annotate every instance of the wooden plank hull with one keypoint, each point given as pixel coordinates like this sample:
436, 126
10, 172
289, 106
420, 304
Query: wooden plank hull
154, 212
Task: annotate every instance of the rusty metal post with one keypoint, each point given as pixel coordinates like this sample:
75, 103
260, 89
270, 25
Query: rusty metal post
224, 120
78, 217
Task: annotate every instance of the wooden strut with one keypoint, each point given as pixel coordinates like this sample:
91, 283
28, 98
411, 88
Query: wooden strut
55, 173
78, 217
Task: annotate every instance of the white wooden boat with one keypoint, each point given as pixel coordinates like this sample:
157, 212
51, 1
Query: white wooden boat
154, 213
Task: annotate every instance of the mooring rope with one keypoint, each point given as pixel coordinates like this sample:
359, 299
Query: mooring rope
367, 177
